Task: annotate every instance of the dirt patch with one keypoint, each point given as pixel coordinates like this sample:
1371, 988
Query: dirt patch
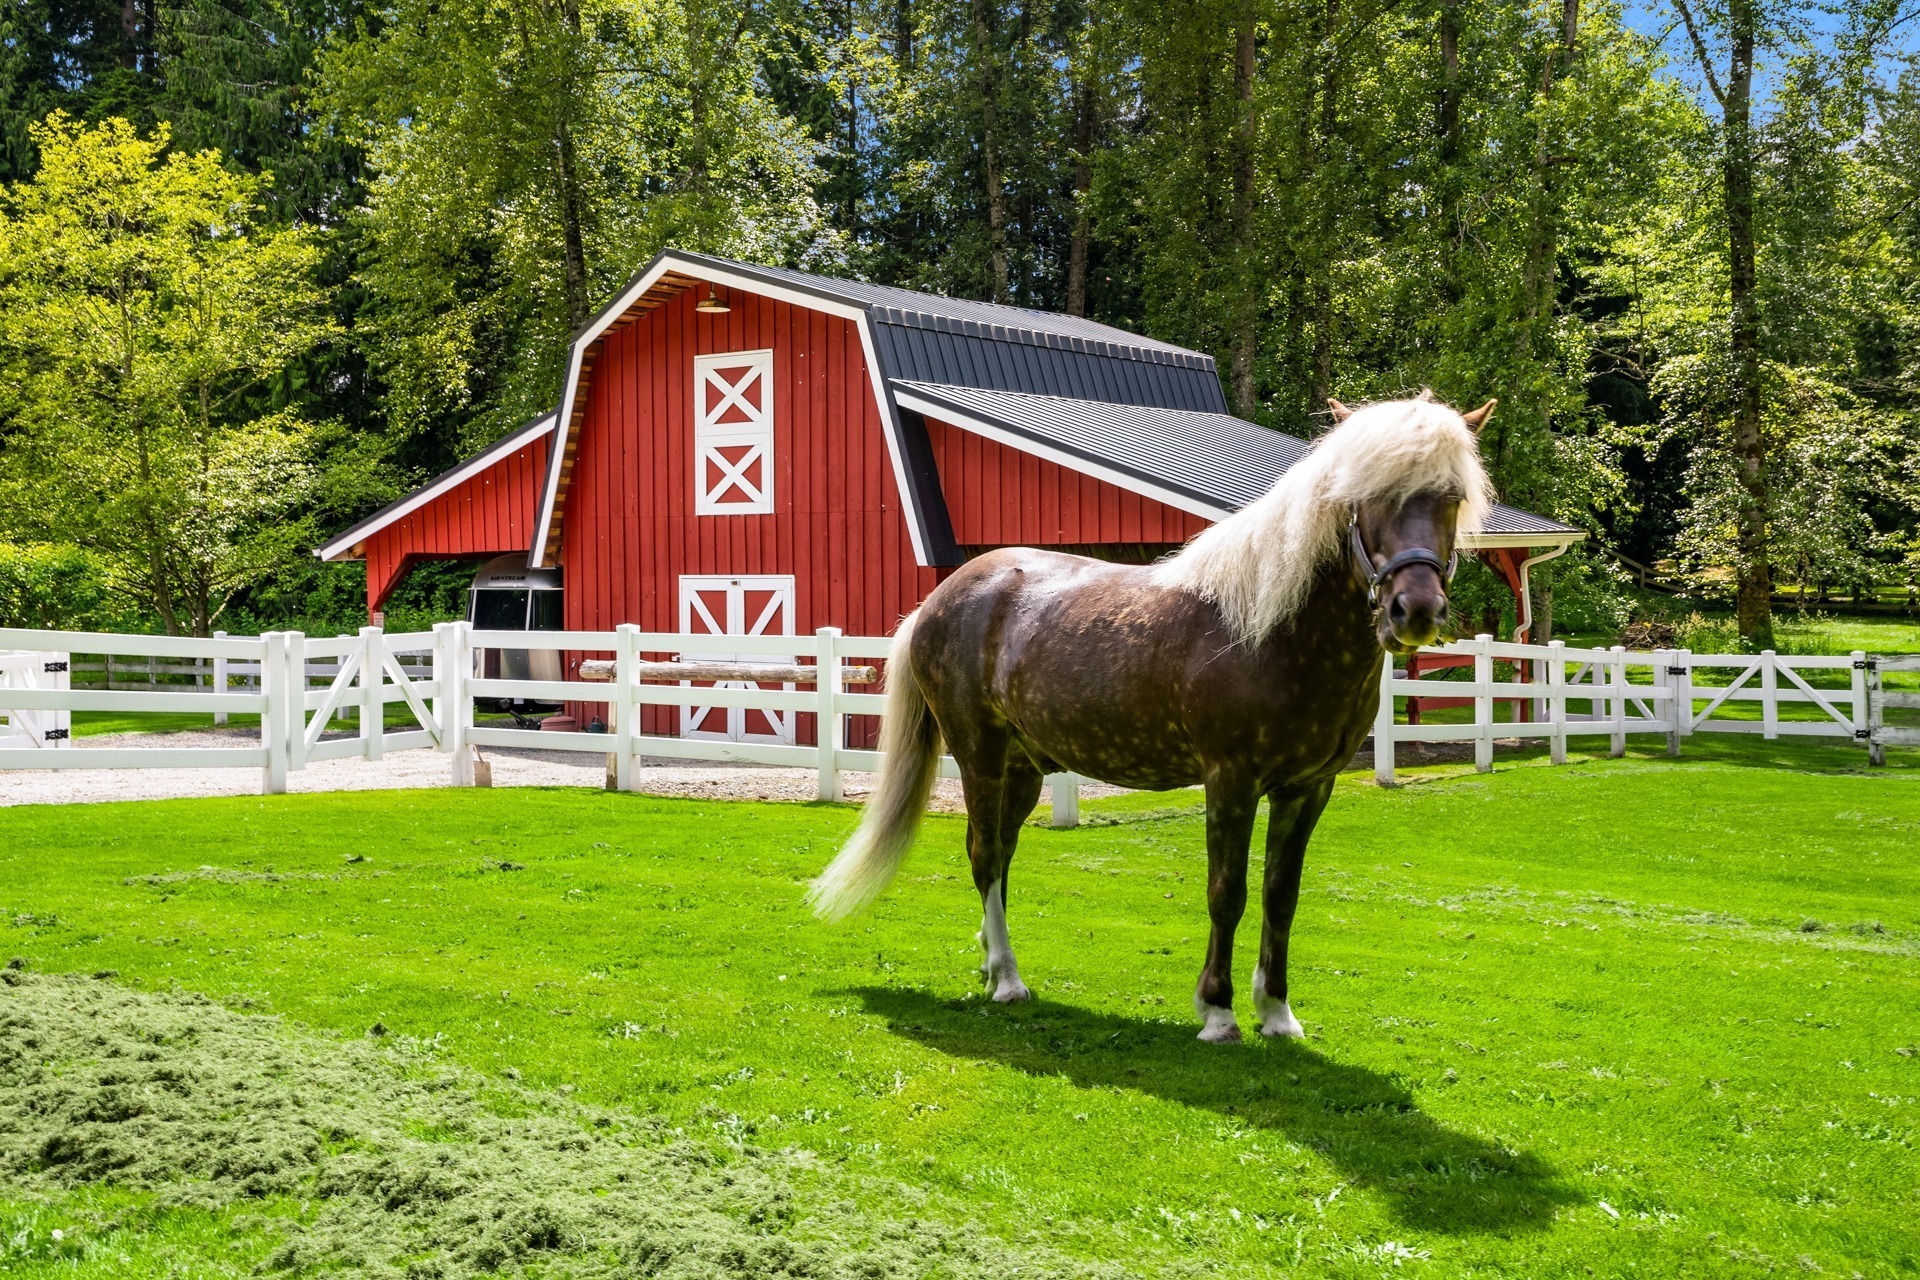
419, 1169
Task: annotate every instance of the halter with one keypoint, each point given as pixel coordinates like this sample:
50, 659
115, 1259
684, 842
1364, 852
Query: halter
1399, 560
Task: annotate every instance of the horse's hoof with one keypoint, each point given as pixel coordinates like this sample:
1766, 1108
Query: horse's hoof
1282, 1025
1222, 1027
1013, 992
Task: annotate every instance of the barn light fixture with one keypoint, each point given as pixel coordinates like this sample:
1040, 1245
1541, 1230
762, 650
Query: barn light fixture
711, 305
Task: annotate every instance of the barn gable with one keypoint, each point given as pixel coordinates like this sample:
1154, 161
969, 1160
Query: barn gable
485, 506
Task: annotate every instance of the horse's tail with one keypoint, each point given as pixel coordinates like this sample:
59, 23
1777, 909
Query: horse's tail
910, 745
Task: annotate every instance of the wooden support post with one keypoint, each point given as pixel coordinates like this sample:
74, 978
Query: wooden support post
624, 710
1876, 715
1769, 696
274, 731
1617, 678
453, 663
1557, 702
220, 677
1859, 690
373, 711
1383, 761
1483, 703
1065, 790
831, 728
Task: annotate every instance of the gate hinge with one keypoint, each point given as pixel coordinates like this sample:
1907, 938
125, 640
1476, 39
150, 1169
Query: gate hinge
1864, 664
56, 735
1676, 671
1862, 735
54, 666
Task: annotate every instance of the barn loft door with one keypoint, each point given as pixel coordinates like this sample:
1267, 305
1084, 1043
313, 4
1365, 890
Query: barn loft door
733, 433
745, 606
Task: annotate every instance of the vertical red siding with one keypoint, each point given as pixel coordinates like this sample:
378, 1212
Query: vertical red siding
1001, 497
492, 513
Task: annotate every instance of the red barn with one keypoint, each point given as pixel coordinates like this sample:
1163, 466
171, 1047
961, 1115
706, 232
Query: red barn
745, 449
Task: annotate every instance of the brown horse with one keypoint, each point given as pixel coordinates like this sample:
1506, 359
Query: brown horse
1248, 662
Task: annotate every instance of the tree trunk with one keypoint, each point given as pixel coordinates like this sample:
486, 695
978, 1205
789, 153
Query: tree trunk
1247, 275
1082, 188
1322, 376
1753, 605
1538, 268
985, 55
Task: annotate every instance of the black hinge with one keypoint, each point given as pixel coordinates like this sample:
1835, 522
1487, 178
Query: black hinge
56, 735
55, 666
1676, 671
1861, 735
1865, 664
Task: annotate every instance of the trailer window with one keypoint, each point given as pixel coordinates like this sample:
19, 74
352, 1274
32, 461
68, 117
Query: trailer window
497, 610
547, 614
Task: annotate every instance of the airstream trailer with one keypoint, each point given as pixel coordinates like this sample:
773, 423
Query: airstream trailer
508, 596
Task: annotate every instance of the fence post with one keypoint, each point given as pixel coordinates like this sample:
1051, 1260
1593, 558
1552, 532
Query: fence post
1065, 789
1769, 696
1860, 730
1557, 701
1683, 694
220, 677
830, 731
296, 683
1483, 703
626, 711
1876, 715
1617, 677
59, 724
273, 718
373, 712
453, 658
1383, 761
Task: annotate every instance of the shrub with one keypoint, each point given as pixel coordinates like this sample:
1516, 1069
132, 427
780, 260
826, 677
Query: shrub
51, 586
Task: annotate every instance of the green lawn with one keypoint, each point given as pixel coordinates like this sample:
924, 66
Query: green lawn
1621, 1017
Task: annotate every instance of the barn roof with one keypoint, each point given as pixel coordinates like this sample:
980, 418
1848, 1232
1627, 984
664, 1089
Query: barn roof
1211, 464
912, 336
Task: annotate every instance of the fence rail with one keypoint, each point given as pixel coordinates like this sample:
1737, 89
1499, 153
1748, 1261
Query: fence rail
303, 689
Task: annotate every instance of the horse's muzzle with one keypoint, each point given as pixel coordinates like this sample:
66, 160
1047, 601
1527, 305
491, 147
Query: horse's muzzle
1413, 619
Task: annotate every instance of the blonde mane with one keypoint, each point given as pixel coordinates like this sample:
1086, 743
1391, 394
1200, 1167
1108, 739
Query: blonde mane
1258, 564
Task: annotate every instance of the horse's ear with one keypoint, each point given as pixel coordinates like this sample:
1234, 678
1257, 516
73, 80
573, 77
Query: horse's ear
1340, 412
1478, 418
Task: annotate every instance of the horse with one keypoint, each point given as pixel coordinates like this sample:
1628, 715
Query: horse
1248, 662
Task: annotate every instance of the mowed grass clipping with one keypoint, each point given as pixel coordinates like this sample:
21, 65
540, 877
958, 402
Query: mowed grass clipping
1639, 1017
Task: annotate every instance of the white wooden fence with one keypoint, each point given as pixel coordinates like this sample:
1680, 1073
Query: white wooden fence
433, 674
1612, 693
300, 686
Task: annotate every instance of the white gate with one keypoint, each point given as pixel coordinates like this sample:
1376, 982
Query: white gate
728, 606
23, 727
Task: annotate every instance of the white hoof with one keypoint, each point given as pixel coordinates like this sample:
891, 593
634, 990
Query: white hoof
1012, 991
1221, 1026
1276, 1016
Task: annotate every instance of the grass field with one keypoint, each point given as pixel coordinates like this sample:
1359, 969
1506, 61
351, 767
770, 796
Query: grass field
1631, 1017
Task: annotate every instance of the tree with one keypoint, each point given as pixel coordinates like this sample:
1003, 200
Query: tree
527, 156
143, 301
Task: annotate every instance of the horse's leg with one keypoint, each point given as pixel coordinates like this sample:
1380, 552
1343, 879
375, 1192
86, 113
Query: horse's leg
1231, 806
992, 785
1019, 793
1290, 822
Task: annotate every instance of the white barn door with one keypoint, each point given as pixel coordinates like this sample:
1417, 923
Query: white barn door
743, 606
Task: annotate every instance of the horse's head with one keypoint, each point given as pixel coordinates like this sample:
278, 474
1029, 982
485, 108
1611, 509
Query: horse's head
1403, 552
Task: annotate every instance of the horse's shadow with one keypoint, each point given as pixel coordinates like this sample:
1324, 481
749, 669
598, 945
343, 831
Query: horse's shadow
1367, 1124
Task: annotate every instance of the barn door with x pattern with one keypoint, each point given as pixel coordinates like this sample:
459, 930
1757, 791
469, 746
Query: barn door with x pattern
733, 434
726, 606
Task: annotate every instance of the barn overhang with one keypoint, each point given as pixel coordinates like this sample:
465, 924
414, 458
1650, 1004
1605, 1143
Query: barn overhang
351, 545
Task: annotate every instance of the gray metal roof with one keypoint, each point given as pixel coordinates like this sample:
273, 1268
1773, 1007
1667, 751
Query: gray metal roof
1211, 458
958, 342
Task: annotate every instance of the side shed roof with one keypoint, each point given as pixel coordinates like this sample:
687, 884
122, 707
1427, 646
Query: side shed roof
1211, 464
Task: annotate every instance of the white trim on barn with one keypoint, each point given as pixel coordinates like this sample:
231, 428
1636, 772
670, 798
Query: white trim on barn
344, 545
707, 272
733, 457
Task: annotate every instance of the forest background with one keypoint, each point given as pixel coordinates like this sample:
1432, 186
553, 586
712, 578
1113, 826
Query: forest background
266, 264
